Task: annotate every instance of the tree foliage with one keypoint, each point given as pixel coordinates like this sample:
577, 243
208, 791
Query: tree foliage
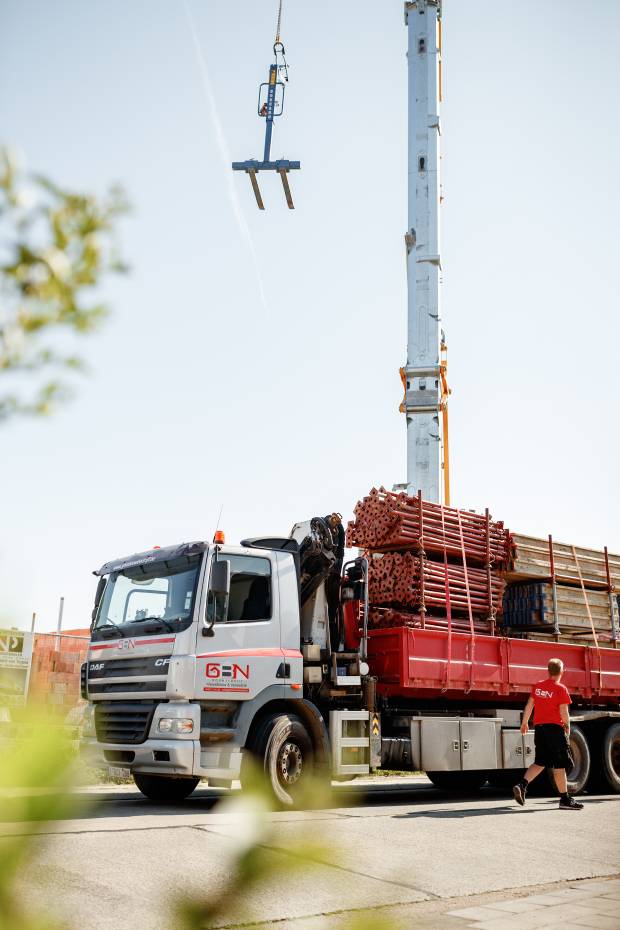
56, 247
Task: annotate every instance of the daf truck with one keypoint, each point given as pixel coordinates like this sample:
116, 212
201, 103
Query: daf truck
205, 654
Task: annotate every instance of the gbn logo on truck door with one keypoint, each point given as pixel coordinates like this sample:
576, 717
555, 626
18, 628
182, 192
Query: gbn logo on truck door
230, 677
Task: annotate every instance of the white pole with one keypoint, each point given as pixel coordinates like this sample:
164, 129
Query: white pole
422, 395
61, 608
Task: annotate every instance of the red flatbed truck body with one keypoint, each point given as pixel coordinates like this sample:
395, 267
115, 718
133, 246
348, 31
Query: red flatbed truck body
416, 663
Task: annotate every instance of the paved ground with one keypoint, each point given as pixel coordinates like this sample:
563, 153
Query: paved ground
408, 851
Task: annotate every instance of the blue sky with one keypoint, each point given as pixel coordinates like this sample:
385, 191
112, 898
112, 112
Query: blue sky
200, 395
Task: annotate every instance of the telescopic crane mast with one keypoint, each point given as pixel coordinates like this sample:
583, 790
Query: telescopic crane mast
424, 375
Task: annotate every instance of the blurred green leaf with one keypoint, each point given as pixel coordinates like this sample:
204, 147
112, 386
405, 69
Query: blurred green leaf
36, 777
258, 861
56, 248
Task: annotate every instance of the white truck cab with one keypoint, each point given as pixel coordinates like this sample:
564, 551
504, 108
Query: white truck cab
197, 655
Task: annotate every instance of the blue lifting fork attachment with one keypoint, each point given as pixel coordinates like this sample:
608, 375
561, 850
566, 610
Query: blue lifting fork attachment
271, 105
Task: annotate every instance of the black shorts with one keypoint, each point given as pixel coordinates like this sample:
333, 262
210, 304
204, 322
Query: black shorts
552, 749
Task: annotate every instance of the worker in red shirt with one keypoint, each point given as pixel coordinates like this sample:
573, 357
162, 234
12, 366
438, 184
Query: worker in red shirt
549, 700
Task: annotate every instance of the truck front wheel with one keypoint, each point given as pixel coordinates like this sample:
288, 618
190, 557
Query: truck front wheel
165, 788
283, 749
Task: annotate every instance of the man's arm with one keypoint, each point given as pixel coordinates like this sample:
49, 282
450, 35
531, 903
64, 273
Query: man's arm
565, 718
527, 713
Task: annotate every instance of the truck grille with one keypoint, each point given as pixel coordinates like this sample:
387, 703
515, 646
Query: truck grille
123, 687
123, 721
134, 667
139, 674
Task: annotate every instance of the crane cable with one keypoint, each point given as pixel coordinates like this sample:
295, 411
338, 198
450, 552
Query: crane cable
277, 40
278, 47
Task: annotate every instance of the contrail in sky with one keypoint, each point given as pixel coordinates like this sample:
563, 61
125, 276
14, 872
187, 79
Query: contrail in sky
222, 146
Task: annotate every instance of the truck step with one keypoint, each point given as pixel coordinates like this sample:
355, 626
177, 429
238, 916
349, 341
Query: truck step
349, 734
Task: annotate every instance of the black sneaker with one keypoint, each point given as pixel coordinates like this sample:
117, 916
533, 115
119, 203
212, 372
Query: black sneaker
570, 805
519, 793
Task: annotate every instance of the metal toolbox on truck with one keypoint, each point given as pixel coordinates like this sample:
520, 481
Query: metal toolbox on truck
450, 744
517, 750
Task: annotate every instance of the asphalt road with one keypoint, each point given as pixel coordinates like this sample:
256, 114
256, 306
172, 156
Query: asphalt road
409, 849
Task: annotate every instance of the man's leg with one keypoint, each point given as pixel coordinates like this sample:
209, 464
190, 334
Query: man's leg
534, 771
566, 802
520, 789
560, 781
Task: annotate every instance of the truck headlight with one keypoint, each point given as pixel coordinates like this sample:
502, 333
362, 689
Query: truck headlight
176, 725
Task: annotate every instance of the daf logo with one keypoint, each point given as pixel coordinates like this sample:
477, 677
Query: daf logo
126, 644
95, 667
160, 662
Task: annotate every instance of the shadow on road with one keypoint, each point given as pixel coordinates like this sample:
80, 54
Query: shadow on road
493, 811
94, 806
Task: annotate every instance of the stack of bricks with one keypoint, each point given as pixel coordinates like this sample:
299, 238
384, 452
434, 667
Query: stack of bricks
55, 671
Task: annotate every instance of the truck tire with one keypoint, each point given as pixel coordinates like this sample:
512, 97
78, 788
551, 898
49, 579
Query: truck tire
458, 782
610, 753
283, 749
597, 783
164, 787
580, 772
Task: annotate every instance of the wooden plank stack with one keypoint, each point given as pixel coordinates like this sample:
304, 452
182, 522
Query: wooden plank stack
585, 582
532, 559
424, 557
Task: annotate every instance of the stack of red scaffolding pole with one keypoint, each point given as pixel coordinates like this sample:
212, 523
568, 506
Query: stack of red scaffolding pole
388, 617
401, 579
385, 520
430, 565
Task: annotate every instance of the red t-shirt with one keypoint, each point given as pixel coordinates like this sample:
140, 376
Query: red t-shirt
548, 695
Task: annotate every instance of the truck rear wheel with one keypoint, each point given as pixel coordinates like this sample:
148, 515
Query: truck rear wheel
459, 782
575, 777
580, 772
164, 787
610, 751
284, 751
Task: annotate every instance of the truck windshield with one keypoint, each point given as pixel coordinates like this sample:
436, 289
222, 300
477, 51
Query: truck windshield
148, 598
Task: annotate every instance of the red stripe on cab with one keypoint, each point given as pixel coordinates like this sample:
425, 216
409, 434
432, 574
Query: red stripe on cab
254, 653
137, 642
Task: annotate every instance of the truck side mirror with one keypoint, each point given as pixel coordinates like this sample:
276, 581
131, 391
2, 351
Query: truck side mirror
217, 595
220, 578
